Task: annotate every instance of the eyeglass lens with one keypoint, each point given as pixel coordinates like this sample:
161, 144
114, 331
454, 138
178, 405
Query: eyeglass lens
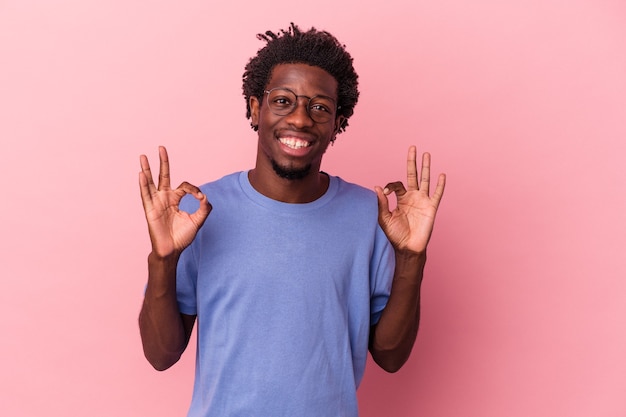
283, 101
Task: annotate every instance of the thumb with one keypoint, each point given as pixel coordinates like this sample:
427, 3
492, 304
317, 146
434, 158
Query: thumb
383, 206
201, 214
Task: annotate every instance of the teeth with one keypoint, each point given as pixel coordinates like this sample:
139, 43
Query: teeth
294, 143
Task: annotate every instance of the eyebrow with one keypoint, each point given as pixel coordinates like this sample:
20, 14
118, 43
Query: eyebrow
301, 95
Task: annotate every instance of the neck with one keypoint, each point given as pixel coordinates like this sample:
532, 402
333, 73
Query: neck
297, 191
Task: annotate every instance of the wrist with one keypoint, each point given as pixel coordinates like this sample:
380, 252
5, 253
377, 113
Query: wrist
155, 258
161, 276
409, 256
409, 266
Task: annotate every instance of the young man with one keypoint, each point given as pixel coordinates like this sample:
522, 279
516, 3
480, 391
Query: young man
292, 274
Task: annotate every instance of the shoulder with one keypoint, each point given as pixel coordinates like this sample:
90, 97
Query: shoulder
354, 198
226, 182
211, 189
355, 192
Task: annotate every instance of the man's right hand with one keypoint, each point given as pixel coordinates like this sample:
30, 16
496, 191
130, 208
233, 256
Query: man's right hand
171, 230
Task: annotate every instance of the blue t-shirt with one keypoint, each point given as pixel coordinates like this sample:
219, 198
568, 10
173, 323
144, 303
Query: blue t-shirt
285, 295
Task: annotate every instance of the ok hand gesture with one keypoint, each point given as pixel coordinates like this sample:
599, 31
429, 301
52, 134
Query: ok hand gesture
409, 226
171, 230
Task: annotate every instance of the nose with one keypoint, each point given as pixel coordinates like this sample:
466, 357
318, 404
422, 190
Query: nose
299, 117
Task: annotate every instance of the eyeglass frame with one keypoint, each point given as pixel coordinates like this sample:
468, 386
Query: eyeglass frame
295, 105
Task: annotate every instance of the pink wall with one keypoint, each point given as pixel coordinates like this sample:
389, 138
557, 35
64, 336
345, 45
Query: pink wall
522, 103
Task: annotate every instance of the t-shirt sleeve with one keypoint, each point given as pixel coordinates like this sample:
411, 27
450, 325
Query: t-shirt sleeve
186, 275
187, 270
383, 265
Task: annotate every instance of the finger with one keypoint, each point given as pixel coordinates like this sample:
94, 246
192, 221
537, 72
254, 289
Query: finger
395, 187
188, 188
145, 169
441, 185
144, 188
383, 206
164, 169
425, 180
411, 169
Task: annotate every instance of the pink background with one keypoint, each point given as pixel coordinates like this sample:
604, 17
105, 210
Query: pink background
522, 104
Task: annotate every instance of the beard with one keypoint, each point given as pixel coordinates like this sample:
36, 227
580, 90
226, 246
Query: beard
291, 173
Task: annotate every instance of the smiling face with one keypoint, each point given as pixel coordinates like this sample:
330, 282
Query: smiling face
293, 145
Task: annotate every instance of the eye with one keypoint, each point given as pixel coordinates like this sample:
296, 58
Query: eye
320, 107
281, 101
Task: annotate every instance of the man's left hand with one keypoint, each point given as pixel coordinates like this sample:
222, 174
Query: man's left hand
409, 226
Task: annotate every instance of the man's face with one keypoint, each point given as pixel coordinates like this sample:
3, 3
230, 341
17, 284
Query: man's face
293, 144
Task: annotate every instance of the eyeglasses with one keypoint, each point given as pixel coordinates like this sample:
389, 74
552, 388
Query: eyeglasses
283, 101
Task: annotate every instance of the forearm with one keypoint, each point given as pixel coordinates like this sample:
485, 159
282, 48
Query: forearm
163, 334
393, 337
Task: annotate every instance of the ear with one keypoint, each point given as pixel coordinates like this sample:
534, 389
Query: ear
254, 111
338, 122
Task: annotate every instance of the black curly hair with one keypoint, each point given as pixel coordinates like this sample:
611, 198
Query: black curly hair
313, 47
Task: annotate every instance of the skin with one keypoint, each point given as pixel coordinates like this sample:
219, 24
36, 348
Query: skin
165, 332
408, 227
307, 81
